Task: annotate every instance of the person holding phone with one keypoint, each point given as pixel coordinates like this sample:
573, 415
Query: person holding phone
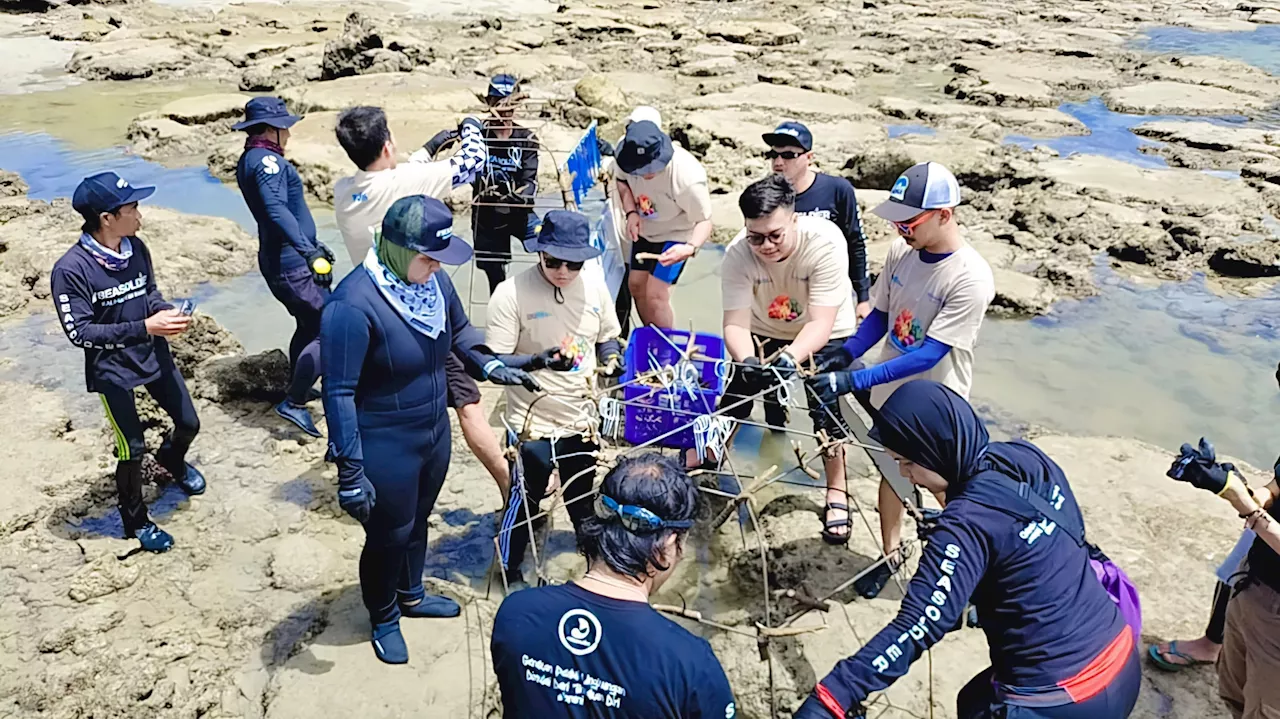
104, 289
663, 190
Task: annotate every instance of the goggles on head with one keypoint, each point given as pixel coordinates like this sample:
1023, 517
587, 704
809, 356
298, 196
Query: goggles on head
635, 519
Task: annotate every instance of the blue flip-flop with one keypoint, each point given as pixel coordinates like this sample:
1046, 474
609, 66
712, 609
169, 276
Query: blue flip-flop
1154, 654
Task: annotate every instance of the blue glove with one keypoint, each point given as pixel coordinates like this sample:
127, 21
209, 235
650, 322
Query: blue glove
829, 387
1198, 467
356, 494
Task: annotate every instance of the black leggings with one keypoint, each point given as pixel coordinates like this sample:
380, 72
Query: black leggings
977, 700
406, 459
170, 392
535, 455
304, 299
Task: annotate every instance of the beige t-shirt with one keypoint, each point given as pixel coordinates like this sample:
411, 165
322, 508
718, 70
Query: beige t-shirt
362, 200
524, 318
779, 294
944, 300
672, 202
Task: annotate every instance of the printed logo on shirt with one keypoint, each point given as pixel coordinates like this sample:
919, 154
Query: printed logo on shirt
899, 190
359, 197
824, 214
730, 711
644, 204
537, 315
784, 308
121, 292
580, 632
907, 334
893, 279
271, 164
575, 347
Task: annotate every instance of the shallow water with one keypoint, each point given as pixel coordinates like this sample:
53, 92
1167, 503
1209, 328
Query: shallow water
1260, 47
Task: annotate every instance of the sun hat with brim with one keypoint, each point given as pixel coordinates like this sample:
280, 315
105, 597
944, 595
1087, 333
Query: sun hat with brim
106, 192
565, 235
425, 225
646, 150
269, 111
924, 187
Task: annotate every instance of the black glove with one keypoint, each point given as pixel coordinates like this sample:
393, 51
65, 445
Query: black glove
552, 358
320, 262
814, 709
356, 494
511, 376
830, 386
1198, 467
753, 373
439, 141
842, 359
783, 367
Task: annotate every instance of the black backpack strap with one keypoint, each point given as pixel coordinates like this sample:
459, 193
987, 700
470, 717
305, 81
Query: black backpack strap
1040, 506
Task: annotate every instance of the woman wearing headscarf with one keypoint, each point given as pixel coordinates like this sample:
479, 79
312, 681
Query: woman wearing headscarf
385, 335
1059, 646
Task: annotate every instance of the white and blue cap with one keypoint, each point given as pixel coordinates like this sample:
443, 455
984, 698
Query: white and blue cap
924, 187
790, 134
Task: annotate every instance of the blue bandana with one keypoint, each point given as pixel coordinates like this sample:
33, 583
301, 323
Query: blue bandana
422, 306
113, 261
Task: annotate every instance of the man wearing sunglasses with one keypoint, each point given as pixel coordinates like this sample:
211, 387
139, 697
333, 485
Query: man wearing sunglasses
663, 191
553, 304
929, 300
594, 647
785, 282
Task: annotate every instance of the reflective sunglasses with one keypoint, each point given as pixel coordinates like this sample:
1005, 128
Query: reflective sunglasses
908, 228
784, 154
635, 519
776, 237
552, 263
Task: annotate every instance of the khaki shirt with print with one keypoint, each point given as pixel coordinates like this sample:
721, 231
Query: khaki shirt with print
779, 294
524, 318
945, 300
672, 202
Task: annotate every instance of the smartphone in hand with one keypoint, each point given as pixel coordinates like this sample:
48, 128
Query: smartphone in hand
187, 308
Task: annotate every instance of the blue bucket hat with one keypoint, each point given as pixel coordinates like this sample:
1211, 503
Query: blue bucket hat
269, 111
645, 150
423, 224
565, 235
106, 192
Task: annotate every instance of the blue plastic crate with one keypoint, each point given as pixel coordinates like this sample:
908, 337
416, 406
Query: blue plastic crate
652, 412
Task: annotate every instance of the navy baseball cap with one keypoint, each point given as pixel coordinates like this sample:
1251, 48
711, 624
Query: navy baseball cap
106, 192
923, 187
503, 85
269, 111
565, 235
423, 224
790, 134
645, 149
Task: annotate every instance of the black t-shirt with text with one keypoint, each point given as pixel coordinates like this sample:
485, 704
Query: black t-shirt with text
563, 651
832, 198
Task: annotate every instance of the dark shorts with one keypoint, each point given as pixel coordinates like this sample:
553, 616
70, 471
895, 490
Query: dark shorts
298, 292
462, 389
493, 227
823, 418
651, 266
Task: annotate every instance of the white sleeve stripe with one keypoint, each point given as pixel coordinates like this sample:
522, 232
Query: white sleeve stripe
470, 159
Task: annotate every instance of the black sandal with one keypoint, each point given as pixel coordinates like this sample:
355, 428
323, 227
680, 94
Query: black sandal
829, 536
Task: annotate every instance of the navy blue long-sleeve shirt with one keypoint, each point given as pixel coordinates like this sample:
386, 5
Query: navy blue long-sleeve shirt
376, 364
832, 198
1044, 612
105, 312
273, 191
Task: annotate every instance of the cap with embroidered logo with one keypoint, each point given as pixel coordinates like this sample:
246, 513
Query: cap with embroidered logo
927, 186
790, 134
106, 192
645, 150
425, 225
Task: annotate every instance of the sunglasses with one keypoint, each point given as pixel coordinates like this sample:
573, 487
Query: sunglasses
784, 154
552, 263
775, 238
908, 228
635, 519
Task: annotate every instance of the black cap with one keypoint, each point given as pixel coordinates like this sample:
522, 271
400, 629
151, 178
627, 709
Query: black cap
269, 111
106, 192
645, 150
790, 134
423, 224
565, 235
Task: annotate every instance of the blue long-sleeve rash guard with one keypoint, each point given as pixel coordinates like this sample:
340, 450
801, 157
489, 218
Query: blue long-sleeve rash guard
273, 191
378, 368
871, 331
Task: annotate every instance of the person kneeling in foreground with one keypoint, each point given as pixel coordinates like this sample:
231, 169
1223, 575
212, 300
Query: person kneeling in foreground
1250, 660
386, 334
601, 626
1060, 648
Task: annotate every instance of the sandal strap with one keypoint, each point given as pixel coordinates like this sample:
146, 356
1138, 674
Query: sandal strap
834, 523
835, 505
